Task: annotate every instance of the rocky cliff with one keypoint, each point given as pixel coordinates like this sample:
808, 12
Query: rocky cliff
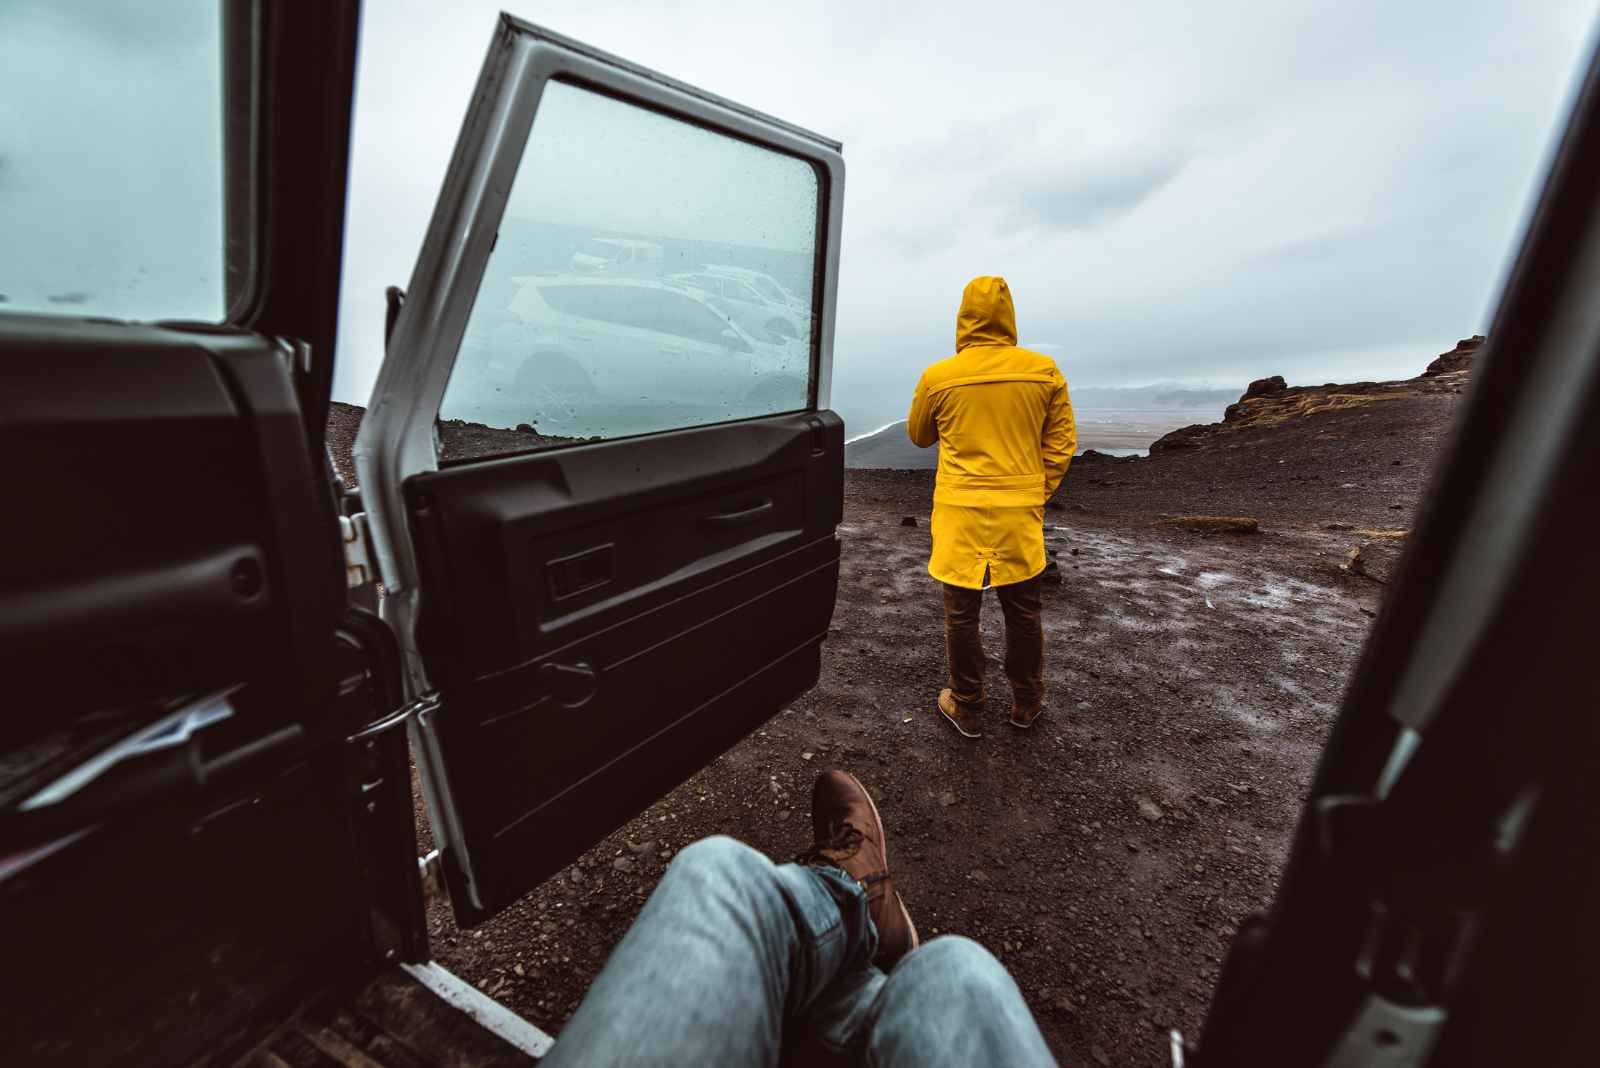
1272, 401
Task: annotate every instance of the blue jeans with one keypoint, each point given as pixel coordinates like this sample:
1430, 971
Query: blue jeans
738, 961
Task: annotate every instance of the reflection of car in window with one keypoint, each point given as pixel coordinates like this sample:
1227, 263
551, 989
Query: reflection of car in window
567, 339
766, 286
740, 301
616, 255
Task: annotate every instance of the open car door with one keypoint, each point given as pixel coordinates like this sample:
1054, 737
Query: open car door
596, 604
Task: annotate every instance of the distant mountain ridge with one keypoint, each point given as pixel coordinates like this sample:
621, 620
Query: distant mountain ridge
1158, 395
889, 447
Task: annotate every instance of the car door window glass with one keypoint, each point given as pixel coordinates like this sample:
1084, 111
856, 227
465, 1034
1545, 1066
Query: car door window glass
604, 189
111, 160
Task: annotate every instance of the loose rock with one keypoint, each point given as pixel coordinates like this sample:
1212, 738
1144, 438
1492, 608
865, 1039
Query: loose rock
1215, 524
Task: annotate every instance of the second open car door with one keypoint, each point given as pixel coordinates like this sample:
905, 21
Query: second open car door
605, 512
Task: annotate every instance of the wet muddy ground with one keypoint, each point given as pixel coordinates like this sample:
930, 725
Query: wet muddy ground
1107, 855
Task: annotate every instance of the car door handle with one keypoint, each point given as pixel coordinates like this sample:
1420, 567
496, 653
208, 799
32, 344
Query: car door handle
742, 517
572, 685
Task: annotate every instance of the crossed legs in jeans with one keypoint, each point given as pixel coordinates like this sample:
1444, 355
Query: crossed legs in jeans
736, 960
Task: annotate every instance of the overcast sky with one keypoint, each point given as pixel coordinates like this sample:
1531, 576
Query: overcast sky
1203, 193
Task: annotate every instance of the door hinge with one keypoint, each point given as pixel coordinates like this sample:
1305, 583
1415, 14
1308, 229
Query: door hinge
431, 871
359, 569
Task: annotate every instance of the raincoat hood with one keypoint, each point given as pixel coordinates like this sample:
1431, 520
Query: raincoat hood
987, 316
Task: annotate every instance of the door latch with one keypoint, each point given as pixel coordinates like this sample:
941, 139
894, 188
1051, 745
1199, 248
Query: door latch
358, 566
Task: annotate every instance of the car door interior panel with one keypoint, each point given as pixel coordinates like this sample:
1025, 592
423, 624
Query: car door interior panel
184, 547
579, 604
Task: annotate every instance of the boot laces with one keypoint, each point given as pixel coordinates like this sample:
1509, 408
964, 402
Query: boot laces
841, 842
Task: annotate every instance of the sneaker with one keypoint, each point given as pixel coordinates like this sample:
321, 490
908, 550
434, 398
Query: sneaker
849, 836
1022, 718
964, 720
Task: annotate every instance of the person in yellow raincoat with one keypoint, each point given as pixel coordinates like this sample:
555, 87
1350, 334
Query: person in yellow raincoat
1002, 420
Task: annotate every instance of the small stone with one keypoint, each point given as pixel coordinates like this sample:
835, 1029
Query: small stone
908, 521
518, 969
1215, 801
947, 798
979, 875
1083, 704
1149, 810
642, 849
807, 756
622, 864
1133, 847
1063, 1003
1075, 552
783, 815
575, 877
906, 720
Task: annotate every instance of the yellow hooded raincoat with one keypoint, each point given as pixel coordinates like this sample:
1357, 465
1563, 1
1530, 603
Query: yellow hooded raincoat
1003, 421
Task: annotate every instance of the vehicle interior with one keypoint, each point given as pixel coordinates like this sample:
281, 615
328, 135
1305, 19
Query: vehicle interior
207, 843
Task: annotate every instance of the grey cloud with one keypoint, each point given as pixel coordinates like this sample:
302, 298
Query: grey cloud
1081, 194
1322, 247
912, 242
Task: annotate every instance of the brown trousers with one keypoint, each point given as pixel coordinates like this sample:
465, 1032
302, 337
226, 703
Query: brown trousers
963, 643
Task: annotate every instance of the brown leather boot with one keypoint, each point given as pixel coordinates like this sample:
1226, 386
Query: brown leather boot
964, 720
849, 836
1022, 718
